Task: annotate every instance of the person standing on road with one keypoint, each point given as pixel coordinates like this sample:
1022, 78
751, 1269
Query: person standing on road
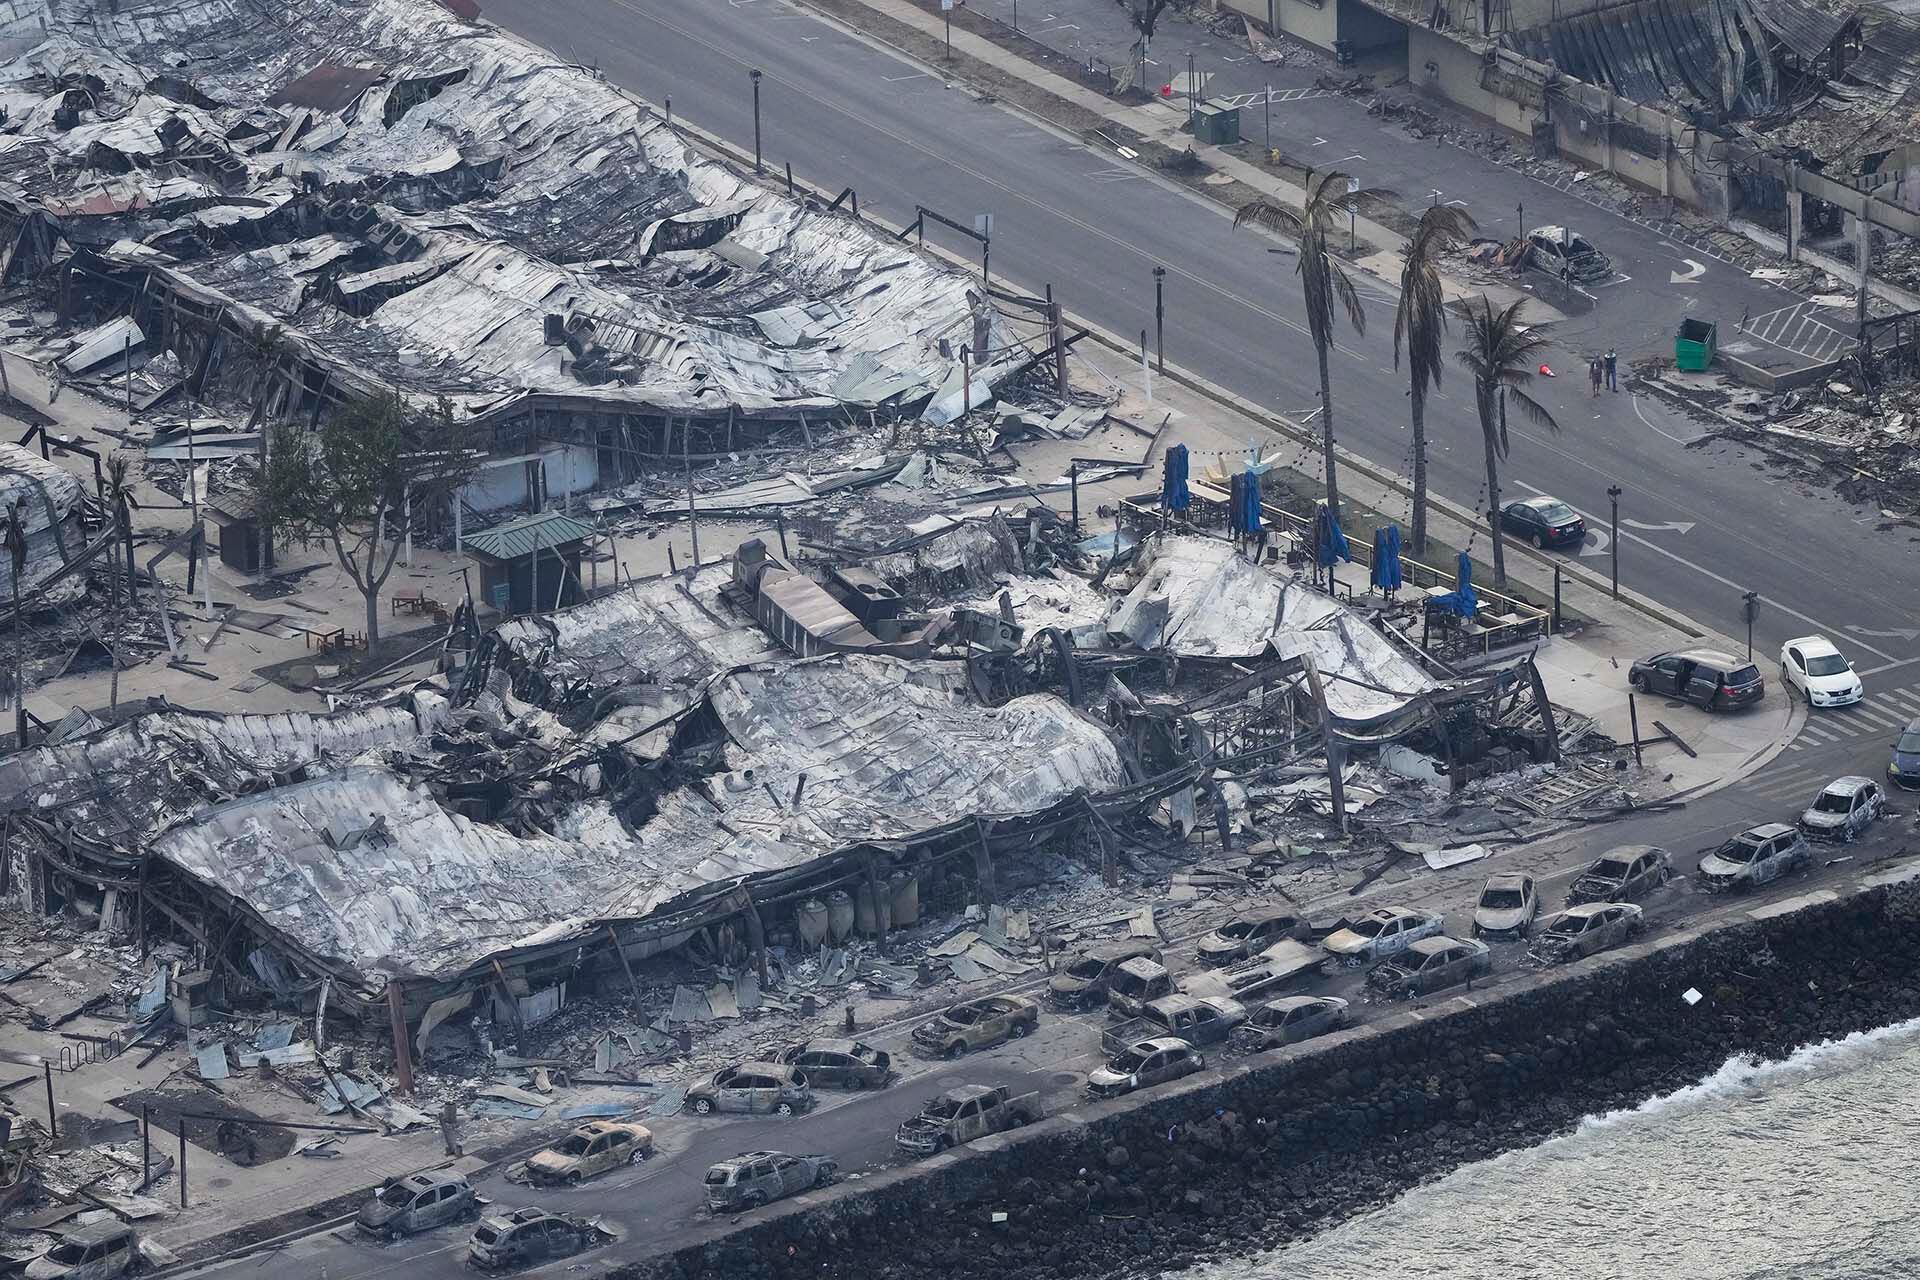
1613, 361
1593, 376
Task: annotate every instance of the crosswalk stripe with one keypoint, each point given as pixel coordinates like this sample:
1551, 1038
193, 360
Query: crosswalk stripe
1901, 698
1878, 716
1819, 732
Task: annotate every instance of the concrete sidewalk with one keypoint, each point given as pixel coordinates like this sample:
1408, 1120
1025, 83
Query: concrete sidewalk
1585, 669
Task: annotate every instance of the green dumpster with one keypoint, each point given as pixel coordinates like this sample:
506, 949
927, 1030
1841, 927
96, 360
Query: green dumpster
1694, 346
1217, 123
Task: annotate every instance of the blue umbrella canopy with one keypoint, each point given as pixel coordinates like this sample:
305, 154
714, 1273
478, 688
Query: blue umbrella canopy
1173, 491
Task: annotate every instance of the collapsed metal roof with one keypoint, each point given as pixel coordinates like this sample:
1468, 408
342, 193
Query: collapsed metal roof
369, 877
446, 210
1200, 598
49, 499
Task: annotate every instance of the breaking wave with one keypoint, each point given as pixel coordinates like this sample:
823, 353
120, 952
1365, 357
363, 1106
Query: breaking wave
1792, 1169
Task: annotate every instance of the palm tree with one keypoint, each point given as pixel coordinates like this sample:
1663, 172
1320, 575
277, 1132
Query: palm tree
1420, 323
1322, 280
1500, 355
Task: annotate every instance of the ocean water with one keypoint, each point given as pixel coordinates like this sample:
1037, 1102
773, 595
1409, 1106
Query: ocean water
1800, 1169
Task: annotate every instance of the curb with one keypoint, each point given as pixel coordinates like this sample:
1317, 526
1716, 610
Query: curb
1641, 603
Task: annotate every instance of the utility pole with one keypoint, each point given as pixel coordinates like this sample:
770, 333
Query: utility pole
946, 12
1267, 111
1521, 210
1193, 94
1160, 319
754, 75
1613, 542
1750, 609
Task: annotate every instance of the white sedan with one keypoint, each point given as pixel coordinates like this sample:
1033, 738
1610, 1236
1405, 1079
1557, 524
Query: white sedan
1818, 670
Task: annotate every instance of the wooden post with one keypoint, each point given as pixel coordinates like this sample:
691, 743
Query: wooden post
513, 1008
756, 936
1333, 746
402, 1044
1633, 719
181, 1121
633, 987
983, 862
53, 1118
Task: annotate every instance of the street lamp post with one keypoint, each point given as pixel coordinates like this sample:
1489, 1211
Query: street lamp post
1267, 112
1750, 609
1613, 543
1193, 94
1160, 319
754, 75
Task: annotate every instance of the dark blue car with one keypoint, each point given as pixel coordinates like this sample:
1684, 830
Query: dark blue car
1544, 521
1904, 769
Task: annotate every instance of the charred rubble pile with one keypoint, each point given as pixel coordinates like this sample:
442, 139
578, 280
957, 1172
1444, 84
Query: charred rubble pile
699, 760
235, 222
1285, 1151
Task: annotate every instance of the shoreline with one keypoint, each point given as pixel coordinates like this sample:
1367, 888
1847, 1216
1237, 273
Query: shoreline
1285, 1148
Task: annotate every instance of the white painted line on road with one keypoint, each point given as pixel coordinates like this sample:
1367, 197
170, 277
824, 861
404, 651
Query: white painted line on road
1889, 665
1874, 716
1656, 430
1810, 729
1705, 572
1905, 701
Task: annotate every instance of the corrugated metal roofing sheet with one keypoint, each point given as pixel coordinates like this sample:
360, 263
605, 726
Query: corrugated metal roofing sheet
516, 538
1803, 28
328, 87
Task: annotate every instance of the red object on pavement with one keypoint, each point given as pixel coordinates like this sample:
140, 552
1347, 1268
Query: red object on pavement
1166, 91
1550, 373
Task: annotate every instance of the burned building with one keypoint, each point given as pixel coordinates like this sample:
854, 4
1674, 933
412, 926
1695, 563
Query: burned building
387, 197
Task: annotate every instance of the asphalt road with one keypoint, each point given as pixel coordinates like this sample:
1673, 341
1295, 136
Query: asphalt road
1699, 525
658, 1204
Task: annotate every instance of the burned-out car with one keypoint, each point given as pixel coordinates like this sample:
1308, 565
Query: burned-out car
1246, 935
839, 1064
97, 1251
1135, 984
1432, 964
1566, 253
1289, 1020
1144, 1064
529, 1236
589, 1150
1382, 933
754, 1178
418, 1202
1199, 1020
960, 1115
1585, 929
1621, 875
1507, 907
1284, 964
1844, 809
1755, 857
753, 1088
976, 1024
1082, 980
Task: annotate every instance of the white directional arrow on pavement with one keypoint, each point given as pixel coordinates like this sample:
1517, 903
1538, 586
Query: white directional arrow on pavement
1694, 272
1598, 540
1891, 635
1671, 526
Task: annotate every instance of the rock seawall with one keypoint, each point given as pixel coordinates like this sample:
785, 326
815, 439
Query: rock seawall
1273, 1148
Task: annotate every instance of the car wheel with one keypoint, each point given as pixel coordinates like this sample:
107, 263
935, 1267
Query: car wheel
573, 1179
394, 1235
703, 1107
1020, 1030
784, 1109
1539, 543
1638, 683
753, 1200
1016, 1122
637, 1156
824, 1177
955, 1050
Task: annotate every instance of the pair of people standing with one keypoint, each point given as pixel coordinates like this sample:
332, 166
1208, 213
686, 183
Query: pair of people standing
1603, 368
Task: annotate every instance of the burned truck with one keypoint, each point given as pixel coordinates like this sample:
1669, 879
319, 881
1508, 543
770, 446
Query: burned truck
963, 1114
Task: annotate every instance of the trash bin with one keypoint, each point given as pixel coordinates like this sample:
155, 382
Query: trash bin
1216, 123
1694, 345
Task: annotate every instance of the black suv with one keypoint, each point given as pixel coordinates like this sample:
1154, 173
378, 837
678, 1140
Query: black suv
1706, 677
